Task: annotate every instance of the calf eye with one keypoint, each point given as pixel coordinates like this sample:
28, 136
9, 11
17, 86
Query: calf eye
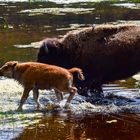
5, 67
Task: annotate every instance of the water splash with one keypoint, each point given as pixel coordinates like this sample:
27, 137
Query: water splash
115, 99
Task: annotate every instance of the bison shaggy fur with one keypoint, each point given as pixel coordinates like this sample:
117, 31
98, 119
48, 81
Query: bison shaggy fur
104, 52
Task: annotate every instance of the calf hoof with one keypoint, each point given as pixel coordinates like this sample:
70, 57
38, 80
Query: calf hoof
53, 106
57, 105
67, 106
40, 108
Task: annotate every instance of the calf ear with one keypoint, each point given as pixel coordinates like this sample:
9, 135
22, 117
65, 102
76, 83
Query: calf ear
14, 63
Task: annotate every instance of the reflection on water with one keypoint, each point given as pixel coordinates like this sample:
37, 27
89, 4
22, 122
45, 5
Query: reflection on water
23, 25
114, 116
100, 127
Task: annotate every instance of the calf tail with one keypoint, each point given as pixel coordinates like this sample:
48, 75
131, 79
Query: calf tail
79, 71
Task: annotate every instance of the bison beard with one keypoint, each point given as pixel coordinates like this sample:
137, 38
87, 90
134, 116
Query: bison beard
105, 53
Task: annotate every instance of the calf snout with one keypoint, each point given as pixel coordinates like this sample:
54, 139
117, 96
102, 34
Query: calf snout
5, 72
1, 74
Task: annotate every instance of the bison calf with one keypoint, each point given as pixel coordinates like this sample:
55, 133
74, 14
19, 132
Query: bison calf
105, 53
35, 76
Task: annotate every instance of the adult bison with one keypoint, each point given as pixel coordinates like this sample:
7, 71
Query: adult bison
104, 52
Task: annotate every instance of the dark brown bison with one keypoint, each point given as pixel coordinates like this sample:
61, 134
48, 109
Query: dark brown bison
104, 52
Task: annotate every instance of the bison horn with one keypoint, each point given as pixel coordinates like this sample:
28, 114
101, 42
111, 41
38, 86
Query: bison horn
46, 48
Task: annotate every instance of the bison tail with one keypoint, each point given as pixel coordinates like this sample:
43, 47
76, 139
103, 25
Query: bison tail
79, 71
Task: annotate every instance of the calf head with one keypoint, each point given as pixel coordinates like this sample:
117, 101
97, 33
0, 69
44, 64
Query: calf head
7, 69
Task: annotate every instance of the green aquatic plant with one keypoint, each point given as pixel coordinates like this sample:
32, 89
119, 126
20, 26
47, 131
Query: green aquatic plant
2, 114
6, 25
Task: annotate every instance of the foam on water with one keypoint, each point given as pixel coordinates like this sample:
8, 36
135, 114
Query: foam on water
56, 11
31, 45
129, 5
12, 122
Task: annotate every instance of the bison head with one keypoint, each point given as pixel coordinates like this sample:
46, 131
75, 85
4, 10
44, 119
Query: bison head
52, 52
49, 51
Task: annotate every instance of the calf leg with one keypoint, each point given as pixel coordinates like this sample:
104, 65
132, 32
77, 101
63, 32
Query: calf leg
59, 95
35, 96
72, 91
23, 98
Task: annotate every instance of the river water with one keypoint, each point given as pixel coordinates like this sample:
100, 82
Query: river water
23, 24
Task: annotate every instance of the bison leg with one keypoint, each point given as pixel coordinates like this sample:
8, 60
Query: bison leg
83, 90
96, 87
96, 90
83, 87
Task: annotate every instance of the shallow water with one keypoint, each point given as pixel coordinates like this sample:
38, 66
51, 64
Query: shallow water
101, 127
115, 116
